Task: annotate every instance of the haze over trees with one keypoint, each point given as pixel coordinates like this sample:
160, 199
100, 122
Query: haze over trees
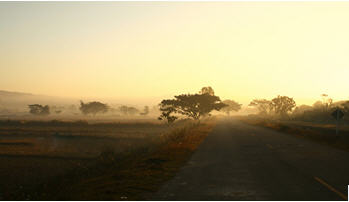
192, 106
263, 106
281, 105
57, 109
37, 109
284, 107
345, 106
145, 111
320, 111
125, 110
232, 106
93, 108
301, 109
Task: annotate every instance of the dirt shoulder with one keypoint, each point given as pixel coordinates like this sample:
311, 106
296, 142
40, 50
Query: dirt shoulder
321, 133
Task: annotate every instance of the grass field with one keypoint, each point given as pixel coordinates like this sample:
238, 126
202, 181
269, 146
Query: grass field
55, 160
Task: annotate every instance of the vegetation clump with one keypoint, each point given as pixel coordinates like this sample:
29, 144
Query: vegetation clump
37, 109
93, 108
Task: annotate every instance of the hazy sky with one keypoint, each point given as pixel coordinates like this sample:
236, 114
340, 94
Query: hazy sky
155, 50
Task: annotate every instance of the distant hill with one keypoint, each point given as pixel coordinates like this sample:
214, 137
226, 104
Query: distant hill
19, 101
9, 93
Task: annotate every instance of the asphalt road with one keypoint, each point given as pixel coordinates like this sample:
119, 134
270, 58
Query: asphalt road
242, 162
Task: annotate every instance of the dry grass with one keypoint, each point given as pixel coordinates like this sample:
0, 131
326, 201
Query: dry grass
99, 161
75, 139
321, 133
138, 174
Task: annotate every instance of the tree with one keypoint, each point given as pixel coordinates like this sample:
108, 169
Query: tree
125, 110
93, 108
145, 111
190, 105
283, 104
207, 90
263, 106
231, 106
37, 109
167, 108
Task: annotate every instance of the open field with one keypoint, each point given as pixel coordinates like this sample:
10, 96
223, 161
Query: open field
40, 159
324, 133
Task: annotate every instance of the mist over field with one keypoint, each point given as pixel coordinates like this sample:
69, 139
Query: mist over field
174, 101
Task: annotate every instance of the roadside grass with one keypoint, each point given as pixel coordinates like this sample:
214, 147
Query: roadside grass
131, 175
75, 139
321, 133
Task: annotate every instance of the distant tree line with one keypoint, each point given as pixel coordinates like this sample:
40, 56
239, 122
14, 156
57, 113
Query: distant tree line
281, 106
285, 108
201, 104
88, 108
320, 111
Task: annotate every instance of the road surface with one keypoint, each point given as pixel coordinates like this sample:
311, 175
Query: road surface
242, 162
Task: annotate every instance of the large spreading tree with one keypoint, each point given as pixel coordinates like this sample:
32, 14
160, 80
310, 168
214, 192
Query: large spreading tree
193, 106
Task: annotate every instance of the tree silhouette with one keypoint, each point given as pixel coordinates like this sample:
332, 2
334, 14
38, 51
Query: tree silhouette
167, 108
37, 109
283, 104
191, 105
93, 108
231, 106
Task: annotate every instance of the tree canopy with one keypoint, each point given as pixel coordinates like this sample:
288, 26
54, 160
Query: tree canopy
231, 106
282, 105
93, 108
191, 105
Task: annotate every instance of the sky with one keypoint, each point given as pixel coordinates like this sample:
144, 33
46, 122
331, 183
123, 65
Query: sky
155, 50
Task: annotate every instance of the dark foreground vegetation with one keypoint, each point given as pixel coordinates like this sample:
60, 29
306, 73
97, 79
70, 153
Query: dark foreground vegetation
104, 161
